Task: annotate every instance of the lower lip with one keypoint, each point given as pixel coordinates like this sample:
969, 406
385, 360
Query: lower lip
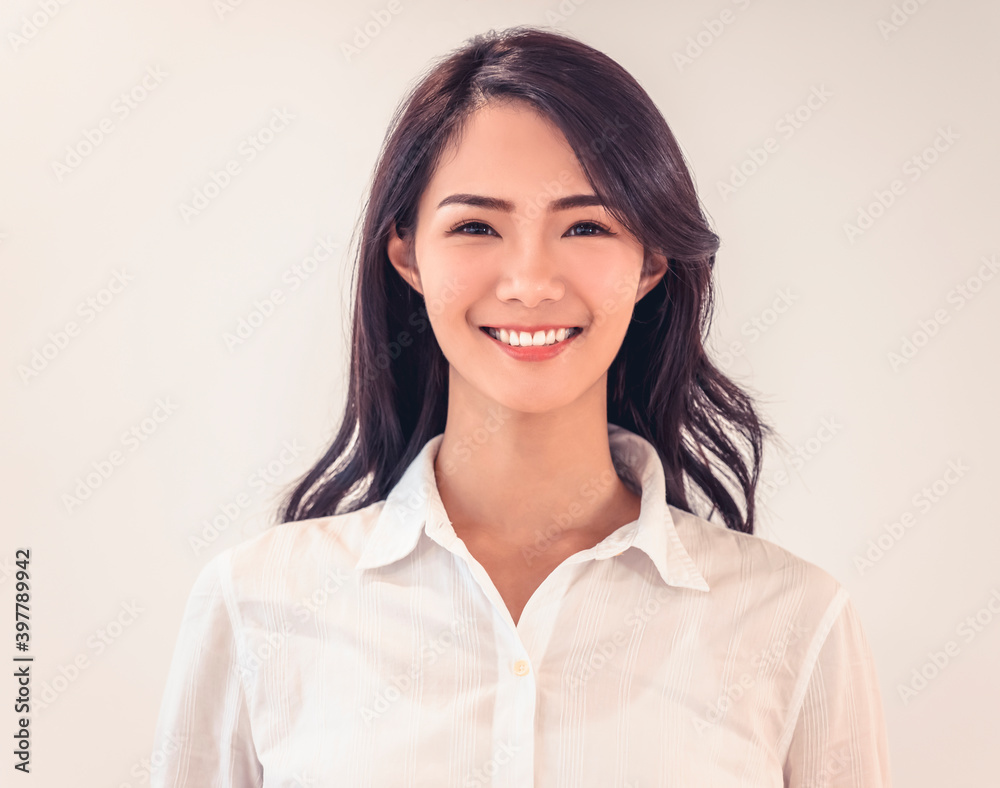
532, 353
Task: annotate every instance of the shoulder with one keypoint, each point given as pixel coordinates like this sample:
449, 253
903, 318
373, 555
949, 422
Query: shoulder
726, 557
757, 577
295, 557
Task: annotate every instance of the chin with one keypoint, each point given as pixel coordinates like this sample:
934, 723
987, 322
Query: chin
529, 400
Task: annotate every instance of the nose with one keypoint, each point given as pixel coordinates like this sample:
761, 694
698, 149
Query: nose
530, 275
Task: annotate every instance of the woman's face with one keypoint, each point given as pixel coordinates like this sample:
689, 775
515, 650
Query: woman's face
521, 261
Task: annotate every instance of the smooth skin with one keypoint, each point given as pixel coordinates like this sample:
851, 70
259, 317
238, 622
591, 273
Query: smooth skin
524, 469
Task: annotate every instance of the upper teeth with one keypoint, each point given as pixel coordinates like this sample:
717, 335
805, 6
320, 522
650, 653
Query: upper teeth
524, 339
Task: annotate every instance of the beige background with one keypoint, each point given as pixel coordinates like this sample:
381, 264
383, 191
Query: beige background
887, 81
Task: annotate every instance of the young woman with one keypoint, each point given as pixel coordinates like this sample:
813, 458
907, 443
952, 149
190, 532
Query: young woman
497, 574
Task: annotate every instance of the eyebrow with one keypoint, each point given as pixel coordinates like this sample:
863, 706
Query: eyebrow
497, 204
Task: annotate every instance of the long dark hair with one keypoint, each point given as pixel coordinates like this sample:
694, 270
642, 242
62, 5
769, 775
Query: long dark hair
661, 384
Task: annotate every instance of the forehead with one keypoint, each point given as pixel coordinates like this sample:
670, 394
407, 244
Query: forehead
507, 150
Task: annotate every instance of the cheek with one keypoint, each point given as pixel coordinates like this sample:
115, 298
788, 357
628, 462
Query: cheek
449, 296
612, 292
441, 299
445, 290
451, 289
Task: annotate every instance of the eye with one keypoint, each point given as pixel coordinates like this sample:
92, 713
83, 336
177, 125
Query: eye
466, 227
600, 228
459, 228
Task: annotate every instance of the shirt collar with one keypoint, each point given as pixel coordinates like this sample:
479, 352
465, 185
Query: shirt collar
414, 506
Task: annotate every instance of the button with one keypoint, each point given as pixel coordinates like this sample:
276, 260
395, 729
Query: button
521, 667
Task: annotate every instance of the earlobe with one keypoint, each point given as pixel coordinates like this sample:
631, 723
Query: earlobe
401, 256
657, 266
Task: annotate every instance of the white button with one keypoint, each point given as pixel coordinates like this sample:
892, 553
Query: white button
521, 667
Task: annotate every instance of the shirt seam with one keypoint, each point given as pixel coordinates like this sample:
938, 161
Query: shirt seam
225, 559
833, 612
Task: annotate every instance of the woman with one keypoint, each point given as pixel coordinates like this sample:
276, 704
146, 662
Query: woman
495, 575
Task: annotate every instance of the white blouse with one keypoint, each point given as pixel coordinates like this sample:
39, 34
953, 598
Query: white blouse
371, 649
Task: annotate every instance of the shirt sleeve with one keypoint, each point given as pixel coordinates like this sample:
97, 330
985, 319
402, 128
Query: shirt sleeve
203, 735
839, 736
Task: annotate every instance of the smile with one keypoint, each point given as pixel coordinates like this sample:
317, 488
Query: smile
527, 339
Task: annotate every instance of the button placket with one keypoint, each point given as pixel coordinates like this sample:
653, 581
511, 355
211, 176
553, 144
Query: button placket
514, 717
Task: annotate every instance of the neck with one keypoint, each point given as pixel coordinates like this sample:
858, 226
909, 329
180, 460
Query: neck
538, 480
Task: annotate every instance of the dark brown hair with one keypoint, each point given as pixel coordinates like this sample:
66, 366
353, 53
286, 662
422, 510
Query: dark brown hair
661, 384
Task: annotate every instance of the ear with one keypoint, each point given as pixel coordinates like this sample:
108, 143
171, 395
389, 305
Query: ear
656, 265
403, 259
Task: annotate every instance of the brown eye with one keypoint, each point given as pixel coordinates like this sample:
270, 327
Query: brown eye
591, 226
476, 227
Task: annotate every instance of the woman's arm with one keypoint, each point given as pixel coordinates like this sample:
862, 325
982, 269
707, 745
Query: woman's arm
839, 737
203, 735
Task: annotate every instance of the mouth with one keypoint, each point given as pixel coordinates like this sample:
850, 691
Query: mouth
541, 338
